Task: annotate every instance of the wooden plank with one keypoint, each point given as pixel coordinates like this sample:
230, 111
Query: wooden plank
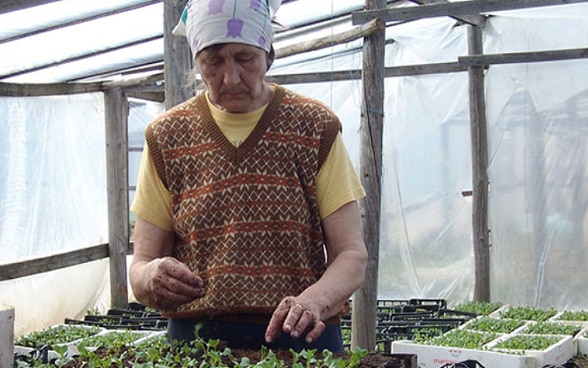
524, 57
452, 9
395, 71
424, 69
6, 335
53, 262
47, 89
365, 299
475, 20
148, 96
116, 113
149, 84
480, 181
178, 57
152, 83
364, 30
151, 89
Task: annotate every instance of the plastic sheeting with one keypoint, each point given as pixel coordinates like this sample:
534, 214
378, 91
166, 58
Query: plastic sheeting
53, 196
62, 46
426, 248
426, 245
53, 191
52, 200
537, 120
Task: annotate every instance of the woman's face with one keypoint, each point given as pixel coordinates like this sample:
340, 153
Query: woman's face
234, 76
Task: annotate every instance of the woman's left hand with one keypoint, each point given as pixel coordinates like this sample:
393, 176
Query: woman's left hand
295, 316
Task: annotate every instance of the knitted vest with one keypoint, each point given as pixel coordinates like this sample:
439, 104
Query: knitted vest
246, 217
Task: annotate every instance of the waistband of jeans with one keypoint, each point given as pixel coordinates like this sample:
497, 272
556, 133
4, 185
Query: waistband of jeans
261, 319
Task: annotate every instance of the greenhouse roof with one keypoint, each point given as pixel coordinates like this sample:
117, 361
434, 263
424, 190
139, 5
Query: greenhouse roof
51, 41
54, 41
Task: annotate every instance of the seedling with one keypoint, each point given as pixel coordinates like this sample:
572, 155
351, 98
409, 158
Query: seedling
56, 335
528, 313
480, 308
580, 315
462, 338
551, 328
495, 325
528, 342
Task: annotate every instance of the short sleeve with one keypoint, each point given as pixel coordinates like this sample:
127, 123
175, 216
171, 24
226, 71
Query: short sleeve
152, 200
337, 180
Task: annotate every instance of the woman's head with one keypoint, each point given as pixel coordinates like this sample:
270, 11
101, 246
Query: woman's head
234, 76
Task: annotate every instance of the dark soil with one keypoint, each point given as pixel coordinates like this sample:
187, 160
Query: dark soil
581, 361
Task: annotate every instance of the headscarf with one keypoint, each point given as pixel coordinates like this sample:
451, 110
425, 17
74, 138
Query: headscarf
209, 22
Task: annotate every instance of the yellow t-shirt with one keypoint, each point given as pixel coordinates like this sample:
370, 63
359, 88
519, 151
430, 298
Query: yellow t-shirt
337, 181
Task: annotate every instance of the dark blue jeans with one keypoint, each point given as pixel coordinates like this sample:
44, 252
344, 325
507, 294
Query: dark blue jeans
238, 335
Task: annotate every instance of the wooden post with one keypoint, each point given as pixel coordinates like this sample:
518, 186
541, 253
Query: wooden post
177, 57
6, 335
479, 139
363, 332
116, 111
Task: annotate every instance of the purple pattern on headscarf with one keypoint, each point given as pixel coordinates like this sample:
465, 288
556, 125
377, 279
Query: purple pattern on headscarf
234, 27
195, 44
261, 41
255, 4
215, 6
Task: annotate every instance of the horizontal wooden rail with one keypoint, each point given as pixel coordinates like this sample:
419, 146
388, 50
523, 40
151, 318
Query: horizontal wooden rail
451, 9
361, 31
524, 57
463, 63
53, 262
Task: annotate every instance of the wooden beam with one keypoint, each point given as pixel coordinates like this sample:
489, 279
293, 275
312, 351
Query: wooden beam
178, 57
151, 87
152, 83
424, 69
476, 20
117, 169
480, 181
452, 9
363, 30
47, 89
523, 57
148, 96
363, 333
53, 262
355, 74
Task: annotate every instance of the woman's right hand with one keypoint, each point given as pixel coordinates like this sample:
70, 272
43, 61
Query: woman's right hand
170, 283
158, 279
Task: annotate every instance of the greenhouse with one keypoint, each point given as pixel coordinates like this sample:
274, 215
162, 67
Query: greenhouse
467, 122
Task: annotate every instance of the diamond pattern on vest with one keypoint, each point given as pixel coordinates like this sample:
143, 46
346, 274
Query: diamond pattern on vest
247, 221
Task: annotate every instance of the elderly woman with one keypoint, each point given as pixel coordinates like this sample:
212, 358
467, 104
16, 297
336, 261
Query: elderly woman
248, 227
